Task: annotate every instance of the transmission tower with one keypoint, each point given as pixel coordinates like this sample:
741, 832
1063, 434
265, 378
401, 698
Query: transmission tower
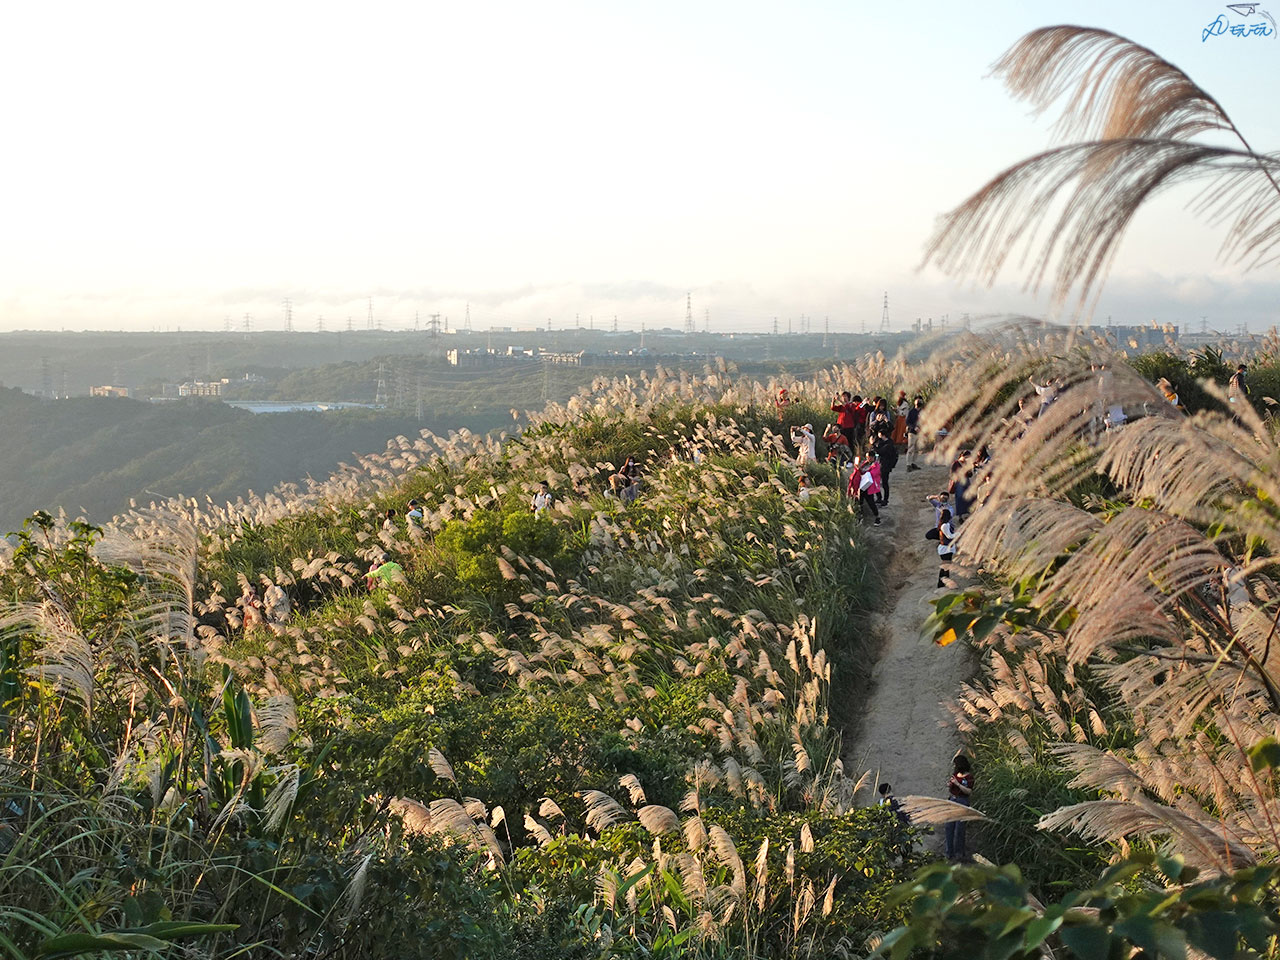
775, 326
615, 323
46, 378
319, 324
288, 315
248, 326
641, 334
380, 393
418, 406
435, 325
884, 314
706, 320
826, 331
351, 323
226, 325
467, 321
688, 313
369, 318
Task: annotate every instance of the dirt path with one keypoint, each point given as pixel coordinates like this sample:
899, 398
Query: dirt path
906, 735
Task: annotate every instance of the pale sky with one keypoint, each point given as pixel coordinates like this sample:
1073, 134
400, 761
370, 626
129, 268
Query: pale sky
169, 165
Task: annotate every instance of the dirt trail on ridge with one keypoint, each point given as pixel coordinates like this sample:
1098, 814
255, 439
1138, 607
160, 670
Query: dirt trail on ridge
905, 734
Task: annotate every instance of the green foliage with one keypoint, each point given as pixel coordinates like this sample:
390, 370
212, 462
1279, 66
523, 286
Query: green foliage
474, 546
1150, 904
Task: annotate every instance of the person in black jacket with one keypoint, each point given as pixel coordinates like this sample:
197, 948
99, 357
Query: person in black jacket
887, 451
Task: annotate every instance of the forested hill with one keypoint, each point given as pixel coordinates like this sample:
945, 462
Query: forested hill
91, 456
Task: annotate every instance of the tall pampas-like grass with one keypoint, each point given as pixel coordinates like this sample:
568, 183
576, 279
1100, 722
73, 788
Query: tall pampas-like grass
1068, 207
1147, 564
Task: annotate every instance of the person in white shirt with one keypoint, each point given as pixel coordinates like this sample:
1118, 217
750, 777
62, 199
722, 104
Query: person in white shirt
803, 493
1048, 393
414, 515
946, 545
806, 444
542, 499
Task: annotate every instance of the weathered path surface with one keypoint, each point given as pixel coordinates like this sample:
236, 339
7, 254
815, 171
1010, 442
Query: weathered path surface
906, 735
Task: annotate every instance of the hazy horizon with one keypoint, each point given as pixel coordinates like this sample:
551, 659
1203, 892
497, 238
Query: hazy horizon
182, 168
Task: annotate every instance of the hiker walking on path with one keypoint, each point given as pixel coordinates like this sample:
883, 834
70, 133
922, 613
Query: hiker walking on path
887, 451
913, 433
959, 790
900, 419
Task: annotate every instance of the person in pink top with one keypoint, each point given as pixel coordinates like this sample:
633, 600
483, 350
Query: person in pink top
864, 483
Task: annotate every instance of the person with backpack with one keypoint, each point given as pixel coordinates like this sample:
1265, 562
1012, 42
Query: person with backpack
913, 433
887, 451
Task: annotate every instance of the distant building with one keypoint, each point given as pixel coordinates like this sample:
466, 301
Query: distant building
108, 391
201, 388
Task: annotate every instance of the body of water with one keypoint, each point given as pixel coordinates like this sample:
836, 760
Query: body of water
287, 406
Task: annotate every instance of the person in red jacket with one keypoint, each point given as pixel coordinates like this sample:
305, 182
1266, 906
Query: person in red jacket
847, 417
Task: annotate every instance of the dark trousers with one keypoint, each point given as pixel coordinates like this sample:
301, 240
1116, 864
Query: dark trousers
868, 503
954, 847
850, 437
884, 484
944, 569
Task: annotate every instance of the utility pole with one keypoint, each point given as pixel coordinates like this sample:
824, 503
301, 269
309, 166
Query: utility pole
884, 314
288, 315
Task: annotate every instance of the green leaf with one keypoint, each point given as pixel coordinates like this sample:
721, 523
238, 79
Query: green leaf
74, 944
1087, 940
1038, 929
1265, 753
1213, 931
